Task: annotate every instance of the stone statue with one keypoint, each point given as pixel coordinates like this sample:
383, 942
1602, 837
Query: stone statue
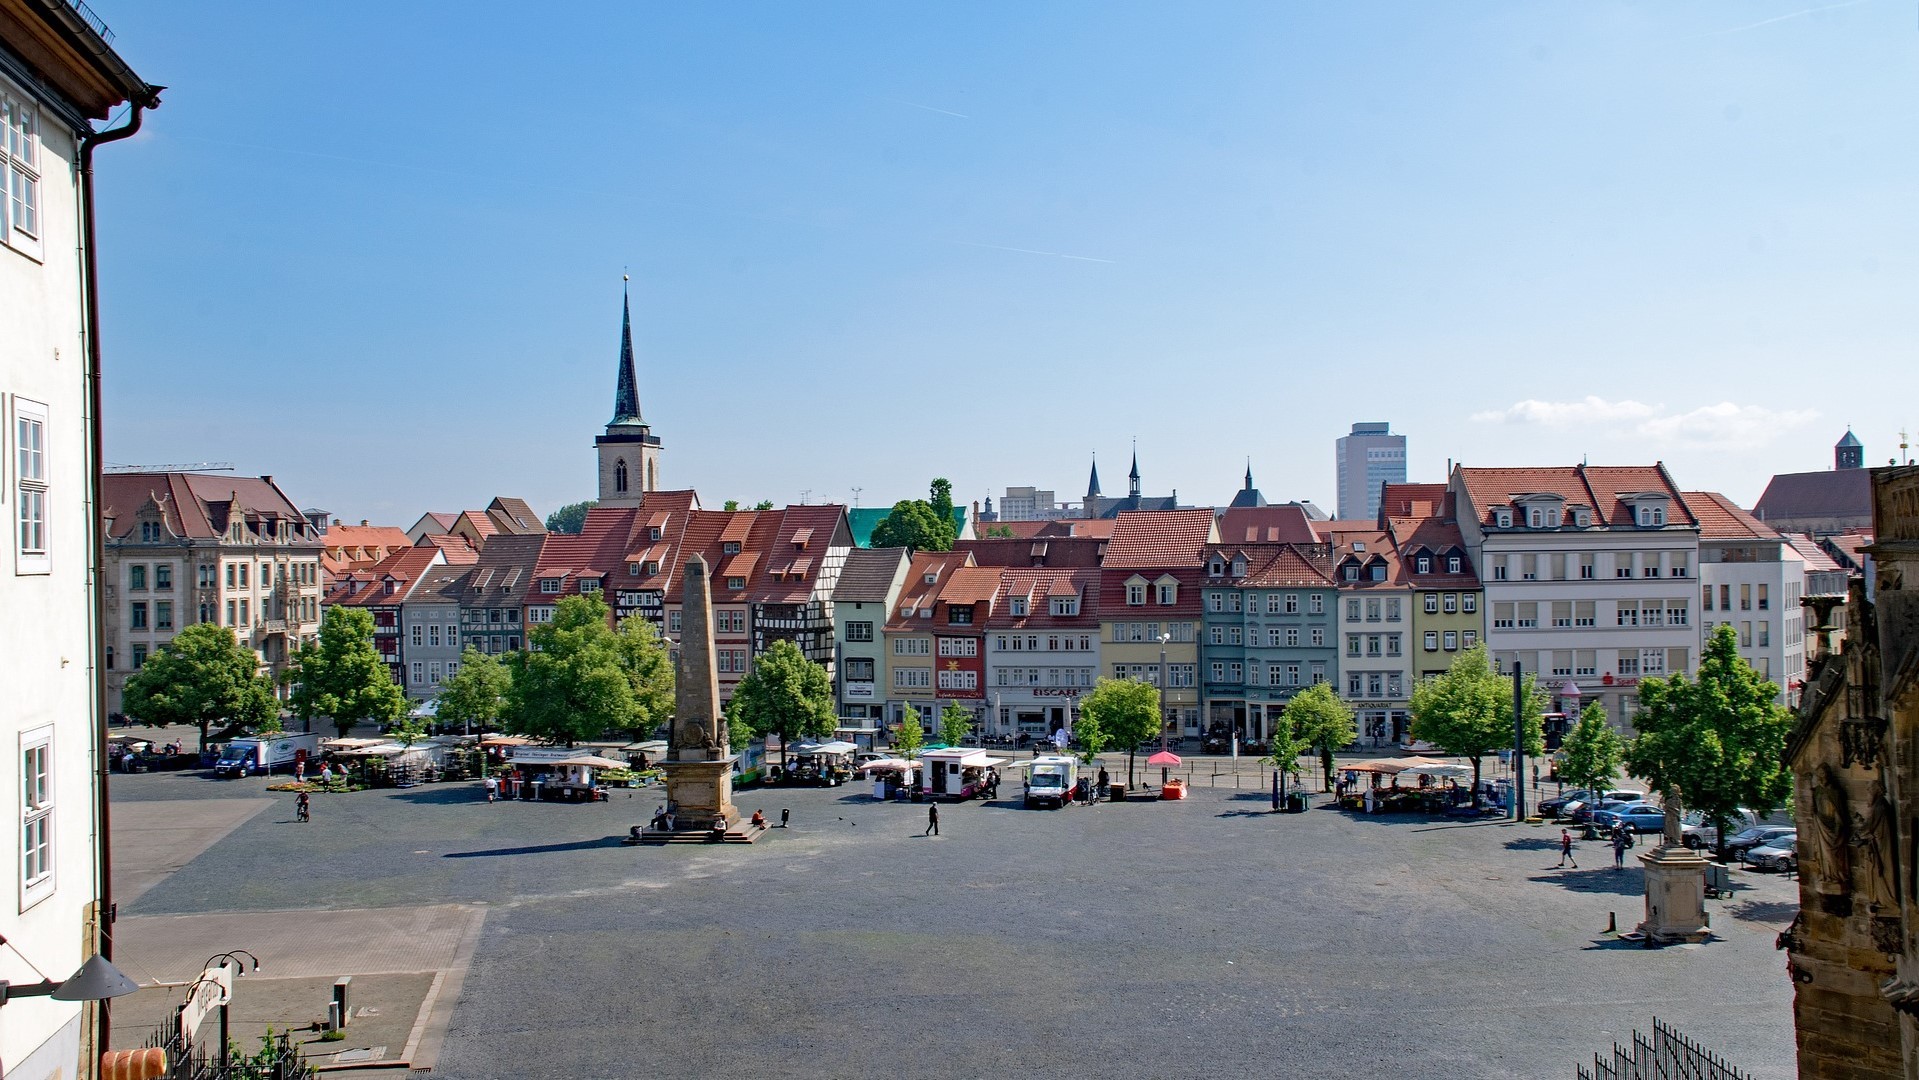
1671, 833
1831, 811
1872, 835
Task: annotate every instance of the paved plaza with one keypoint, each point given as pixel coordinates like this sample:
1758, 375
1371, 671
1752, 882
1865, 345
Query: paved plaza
1200, 938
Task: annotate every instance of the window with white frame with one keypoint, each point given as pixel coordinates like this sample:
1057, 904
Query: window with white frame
1432, 641
1469, 603
19, 172
912, 678
419, 673
1317, 604
433, 672
859, 631
36, 814
1432, 603
906, 646
30, 486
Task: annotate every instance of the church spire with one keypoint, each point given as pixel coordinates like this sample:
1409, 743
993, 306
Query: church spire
1249, 474
1092, 484
626, 398
1132, 478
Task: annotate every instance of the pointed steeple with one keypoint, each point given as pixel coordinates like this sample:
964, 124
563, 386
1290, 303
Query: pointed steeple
1132, 478
1249, 474
626, 398
1092, 484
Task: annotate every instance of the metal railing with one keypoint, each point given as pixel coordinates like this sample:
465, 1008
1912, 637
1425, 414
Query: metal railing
1667, 1055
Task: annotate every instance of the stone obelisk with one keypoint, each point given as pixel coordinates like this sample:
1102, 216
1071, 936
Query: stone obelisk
699, 761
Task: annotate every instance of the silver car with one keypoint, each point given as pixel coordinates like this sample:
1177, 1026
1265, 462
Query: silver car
1780, 854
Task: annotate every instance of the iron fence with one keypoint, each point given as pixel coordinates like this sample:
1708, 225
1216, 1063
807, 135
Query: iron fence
1667, 1055
277, 1059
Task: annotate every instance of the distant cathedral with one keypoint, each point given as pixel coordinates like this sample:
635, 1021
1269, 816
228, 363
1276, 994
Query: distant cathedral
629, 451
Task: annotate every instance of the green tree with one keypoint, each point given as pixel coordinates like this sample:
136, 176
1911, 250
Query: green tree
570, 519
786, 695
1288, 742
202, 677
910, 736
342, 678
408, 729
1322, 720
649, 669
1469, 710
571, 684
913, 525
1127, 711
999, 532
731, 505
1091, 738
1716, 743
956, 723
763, 504
475, 695
940, 500
1591, 755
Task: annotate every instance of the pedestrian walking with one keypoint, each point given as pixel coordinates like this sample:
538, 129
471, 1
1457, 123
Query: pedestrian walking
932, 820
1566, 849
492, 788
300, 771
1619, 847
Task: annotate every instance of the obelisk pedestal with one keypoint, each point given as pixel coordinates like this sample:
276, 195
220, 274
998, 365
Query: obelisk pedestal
699, 760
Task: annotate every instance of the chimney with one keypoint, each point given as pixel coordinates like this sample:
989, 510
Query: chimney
364, 523
336, 523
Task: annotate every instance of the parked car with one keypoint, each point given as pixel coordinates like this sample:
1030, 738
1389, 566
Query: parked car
1626, 795
1696, 829
1781, 854
1639, 817
1555, 806
1758, 836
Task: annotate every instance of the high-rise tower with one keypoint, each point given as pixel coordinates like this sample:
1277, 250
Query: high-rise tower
629, 452
1368, 458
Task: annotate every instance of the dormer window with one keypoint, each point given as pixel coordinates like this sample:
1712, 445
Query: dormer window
549, 585
150, 532
932, 577
906, 612
654, 532
633, 569
589, 585
1066, 605
1167, 590
1239, 566
1018, 605
1453, 564
1536, 517
652, 568
1215, 569
736, 583
1650, 516
958, 614
1376, 572
1423, 564
1503, 518
731, 547
926, 613
1582, 518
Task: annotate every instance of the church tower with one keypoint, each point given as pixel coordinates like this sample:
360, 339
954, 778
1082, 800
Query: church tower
1849, 452
629, 452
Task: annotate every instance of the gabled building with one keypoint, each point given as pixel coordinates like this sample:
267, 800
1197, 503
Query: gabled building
346, 548
966, 600
492, 597
1589, 575
1150, 585
870, 582
1448, 613
381, 590
912, 633
1286, 523
1270, 631
1376, 604
1751, 577
1098, 506
430, 627
1039, 552
1042, 648
502, 515
185, 548
792, 599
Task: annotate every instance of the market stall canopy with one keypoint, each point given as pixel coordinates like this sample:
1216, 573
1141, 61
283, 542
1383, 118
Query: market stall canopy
506, 740
1163, 759
1382, 767
430, 707
1424, 762
342, 746
591, 761
1442, 769
900, 765
651, 747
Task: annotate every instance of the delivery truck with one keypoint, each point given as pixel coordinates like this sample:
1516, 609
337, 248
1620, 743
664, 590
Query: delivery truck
1050, 781
266, 753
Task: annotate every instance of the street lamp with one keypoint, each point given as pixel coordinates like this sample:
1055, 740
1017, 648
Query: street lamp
97, 980
1163, 639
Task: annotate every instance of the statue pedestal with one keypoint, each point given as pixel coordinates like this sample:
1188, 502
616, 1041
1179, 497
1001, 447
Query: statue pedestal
1675, 895
700, 791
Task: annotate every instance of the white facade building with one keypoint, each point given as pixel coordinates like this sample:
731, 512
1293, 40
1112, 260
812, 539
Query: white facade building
1029, 504
1751, 577
1590, 576
58, 77
1366, 460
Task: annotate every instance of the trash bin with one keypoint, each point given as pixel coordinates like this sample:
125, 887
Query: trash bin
1117, 793
1295, 803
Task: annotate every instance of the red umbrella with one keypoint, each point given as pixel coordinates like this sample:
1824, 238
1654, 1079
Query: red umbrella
1164, 759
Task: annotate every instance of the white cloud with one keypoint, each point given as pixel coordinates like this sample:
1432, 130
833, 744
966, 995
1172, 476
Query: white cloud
1725, 426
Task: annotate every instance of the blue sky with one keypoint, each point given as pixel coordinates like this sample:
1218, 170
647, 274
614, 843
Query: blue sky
375, 249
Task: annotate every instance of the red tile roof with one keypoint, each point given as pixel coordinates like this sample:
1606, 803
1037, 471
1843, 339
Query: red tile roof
1039, 586
1600, 487
1817, 561
919, 594
1144, 539
1415, 501
459, 550
1049, 551
1283, 524
367, 588
1722, 519
1277, 565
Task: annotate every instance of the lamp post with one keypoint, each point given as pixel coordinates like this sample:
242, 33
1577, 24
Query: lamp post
1163, 639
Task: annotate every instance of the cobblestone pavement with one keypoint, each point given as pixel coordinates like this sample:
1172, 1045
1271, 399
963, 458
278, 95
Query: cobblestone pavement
1198, 938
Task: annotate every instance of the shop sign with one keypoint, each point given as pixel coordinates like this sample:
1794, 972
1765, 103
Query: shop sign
857, 691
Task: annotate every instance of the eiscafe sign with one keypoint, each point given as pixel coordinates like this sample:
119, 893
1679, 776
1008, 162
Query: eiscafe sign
1055, 691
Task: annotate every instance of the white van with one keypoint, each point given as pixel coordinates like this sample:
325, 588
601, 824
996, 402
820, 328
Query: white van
1050, 781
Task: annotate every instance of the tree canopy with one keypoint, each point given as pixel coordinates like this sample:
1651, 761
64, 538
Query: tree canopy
1126, 711
572, 683
475, 696
204, 676
1320, 719
568, 520
1469, 710
342, 677
1716, 743
956, 723
920, 524
649, 670
910, 736
786, 695
1591, 755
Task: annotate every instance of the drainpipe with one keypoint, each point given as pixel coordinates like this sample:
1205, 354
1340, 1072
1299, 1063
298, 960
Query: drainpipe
91, 327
